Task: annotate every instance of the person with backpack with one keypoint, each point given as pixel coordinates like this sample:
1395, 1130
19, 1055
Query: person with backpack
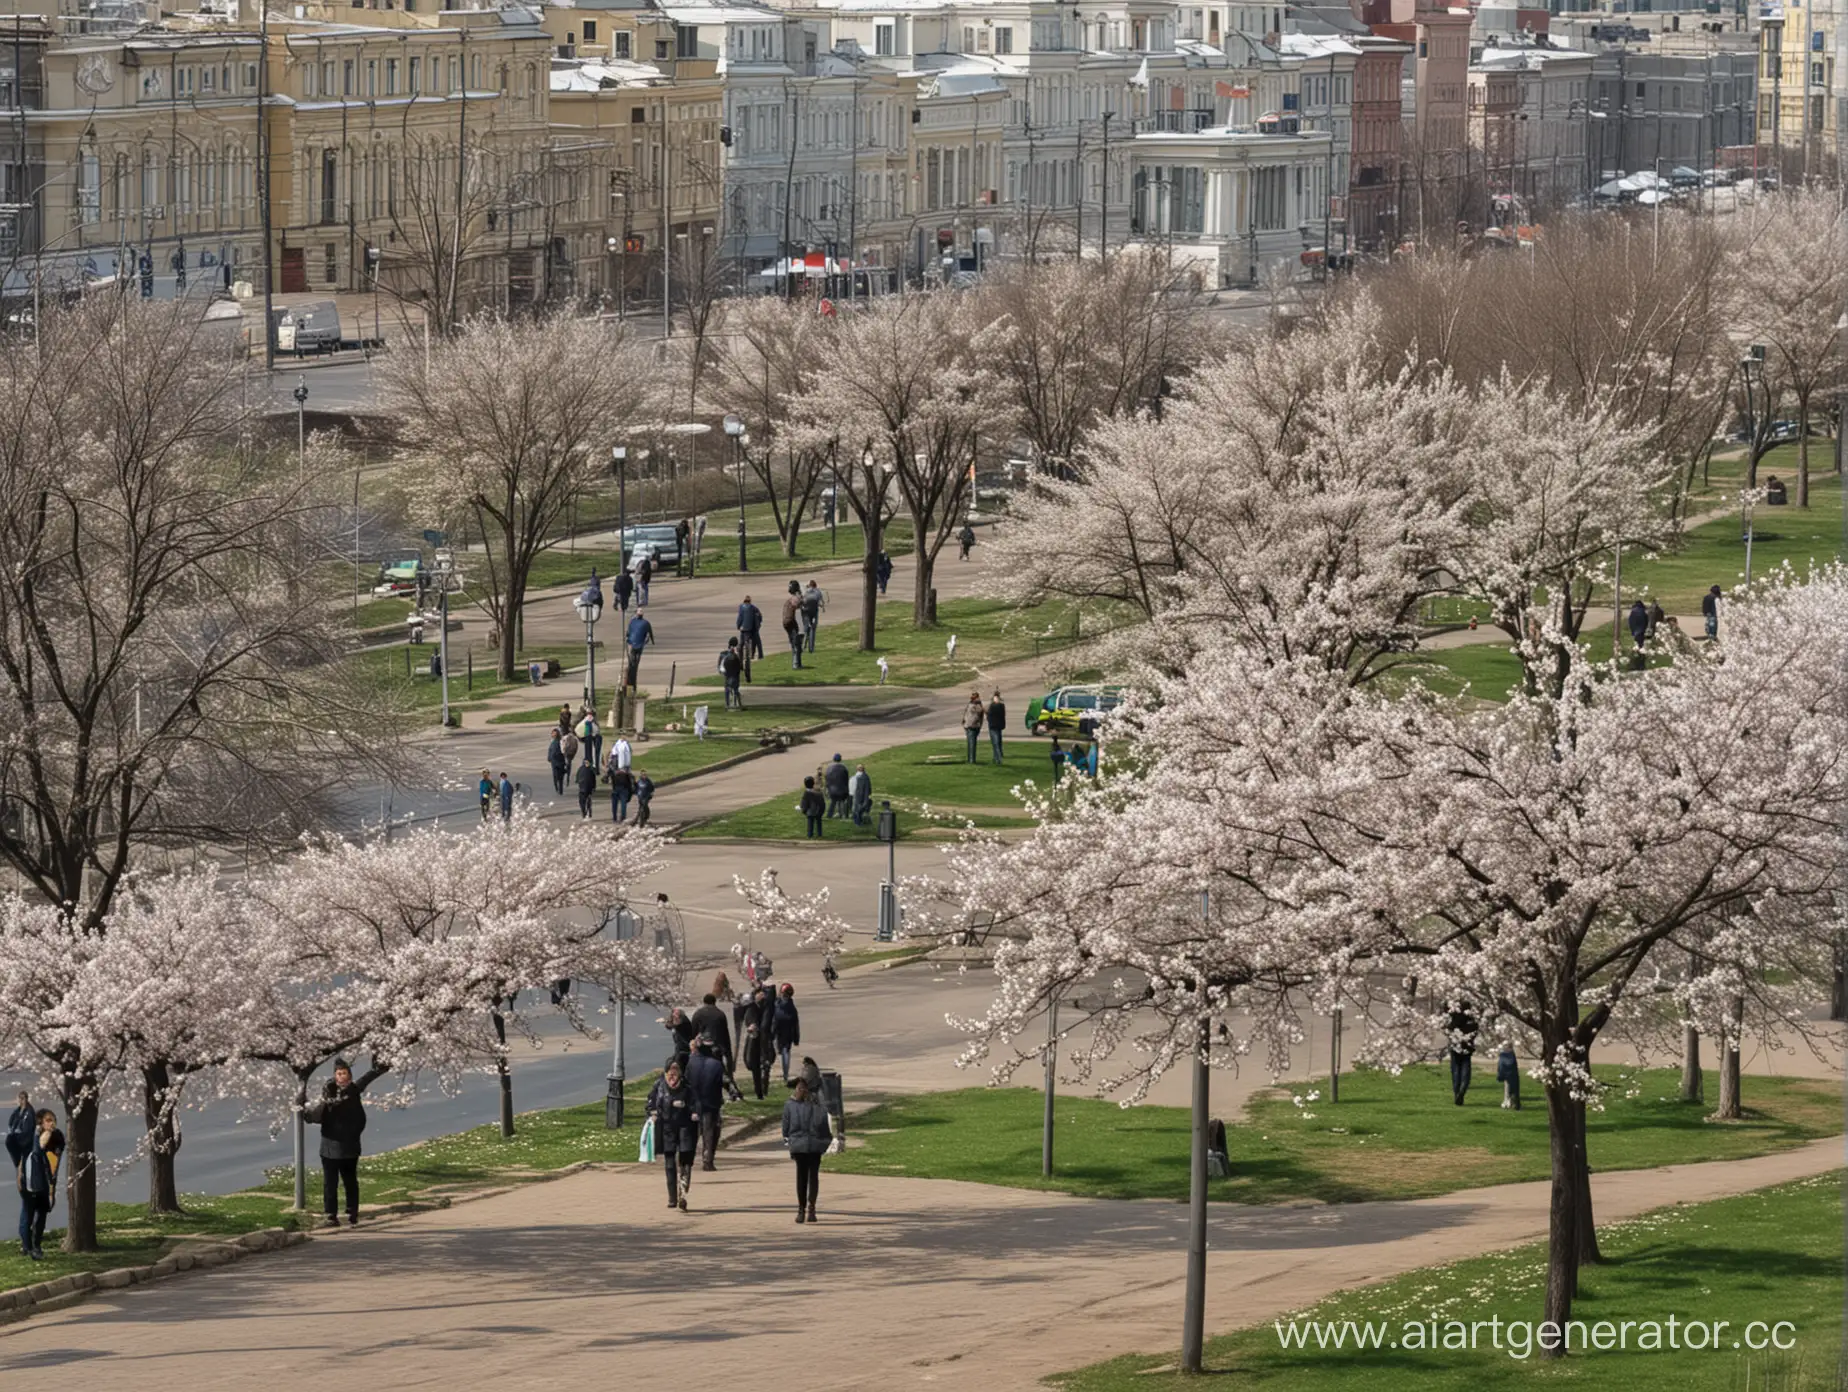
731, 668
966, 537
813, 602
750, 627
486, 790
786, 1027
644, 795
807, 1134
560, 765
568, 746
622, 788
792, 622
586, 786
882, 571
590, 738
811, 807
644, 572
38, 1182
640, 635
973, 715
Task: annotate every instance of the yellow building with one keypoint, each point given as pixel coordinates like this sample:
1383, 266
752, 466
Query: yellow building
1798, 115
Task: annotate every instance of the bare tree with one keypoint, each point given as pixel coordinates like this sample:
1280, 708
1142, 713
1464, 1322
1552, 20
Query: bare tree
508, 426
1788, 279
440, 220
910, 380
768, 358
161, 686
699, 294
1091, 343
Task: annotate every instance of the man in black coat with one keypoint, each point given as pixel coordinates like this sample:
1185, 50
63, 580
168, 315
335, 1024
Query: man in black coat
1461, 1029
680, 1028
757, 1043
709, 1021
834, 776
342, 1118
706, 1080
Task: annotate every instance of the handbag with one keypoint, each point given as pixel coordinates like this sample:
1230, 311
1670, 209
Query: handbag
647, 1155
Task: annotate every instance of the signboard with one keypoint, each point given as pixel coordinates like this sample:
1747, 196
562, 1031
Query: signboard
1229, 90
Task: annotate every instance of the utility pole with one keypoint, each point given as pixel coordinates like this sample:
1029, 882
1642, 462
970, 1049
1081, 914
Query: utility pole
1103, 199
263, 192
789, 183
1193, 1317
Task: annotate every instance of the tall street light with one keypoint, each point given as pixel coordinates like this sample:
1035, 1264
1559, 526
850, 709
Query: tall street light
628, 927
301, 428
619, 464
589, 606
734, 427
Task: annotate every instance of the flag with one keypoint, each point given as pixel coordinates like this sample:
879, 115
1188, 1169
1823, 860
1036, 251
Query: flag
1141, 79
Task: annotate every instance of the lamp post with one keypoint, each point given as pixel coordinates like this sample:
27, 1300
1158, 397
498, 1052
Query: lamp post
301, 428
888, 890
619, 464
589, 606
627, 929
734, 427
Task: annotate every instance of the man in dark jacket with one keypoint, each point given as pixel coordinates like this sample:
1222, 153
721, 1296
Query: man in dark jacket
20, 1127
555, 756
586, 786
997, 722
709, 1022
835, 775
640, 634
706, 1079
1461, 1030
676, 1131
625, 587
342, 1117
756, 1043
731, 670
644, 797
1710, 611
786, 1027
1639, 623
750, 631
681, 1030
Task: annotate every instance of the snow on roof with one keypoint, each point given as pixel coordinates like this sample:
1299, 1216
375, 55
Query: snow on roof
720, 14
964, 84
1314, 45
593, 76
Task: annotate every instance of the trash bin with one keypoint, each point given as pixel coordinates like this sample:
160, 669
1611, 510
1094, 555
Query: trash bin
834, 1097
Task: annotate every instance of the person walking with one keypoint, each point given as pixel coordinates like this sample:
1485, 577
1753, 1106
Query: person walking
560, 765
506, 797
1508, 1074
341, 1116
706, 1081
973, 716
1710, 612
680, 1030
807, 1134
1462, 1033
21, 1127
622, 789
38, 1182
640, 634
1656, 617
1638, 623
835, 778
644, 796
758, 1046
750, 633
709, 1022
485, 789
813, 602
625, 590
882, 572
966, 538
586, 786
792, 622
590, 736
731, 668
786, 1027
644, 572
997, 723
676, 1131
622, 753
860, 792
811, 807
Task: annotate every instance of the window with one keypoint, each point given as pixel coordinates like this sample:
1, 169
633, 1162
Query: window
90, 189
346, 78
1641, 89
250, 77
391, 77
372, 77
638, 114
330, 262
663, 50
183, 82
619, 44
416, 75
208, 80
1004, 40
308, 76
882, 40
330, 187
590, 31
686, 41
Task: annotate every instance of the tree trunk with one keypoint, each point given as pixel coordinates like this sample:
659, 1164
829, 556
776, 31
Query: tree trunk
1803, 452
81, 1109
925, 578
1693, 1085
516, 596
1562, 1210
506, 1077
1729, 1066
1584, 1219
872, 527
159, 1102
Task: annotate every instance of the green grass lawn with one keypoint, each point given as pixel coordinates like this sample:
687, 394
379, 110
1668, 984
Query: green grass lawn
1388, 1138
376, 613
1768, 1256
868, 956
815, 547
1725, 475
988, 633
129, 1237
1489, 668
386, 668
907, 775
718, 720
1714, 553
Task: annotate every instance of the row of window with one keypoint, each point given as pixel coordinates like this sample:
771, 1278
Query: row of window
411, 76
198, 81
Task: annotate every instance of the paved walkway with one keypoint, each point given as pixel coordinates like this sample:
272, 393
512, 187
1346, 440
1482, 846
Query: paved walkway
590, 1282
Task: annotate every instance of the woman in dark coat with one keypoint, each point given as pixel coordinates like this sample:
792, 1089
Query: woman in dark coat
786, 1027
676, 1130
807, 1134
758, 1047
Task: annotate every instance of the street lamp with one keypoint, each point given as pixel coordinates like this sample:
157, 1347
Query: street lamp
301, 428
619, 464
628, 927
589, 606
734, 427
887, 831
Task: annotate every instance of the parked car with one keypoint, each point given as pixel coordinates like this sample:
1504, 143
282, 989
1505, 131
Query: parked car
1072, 710
659, 537
1784, 431
307, 328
